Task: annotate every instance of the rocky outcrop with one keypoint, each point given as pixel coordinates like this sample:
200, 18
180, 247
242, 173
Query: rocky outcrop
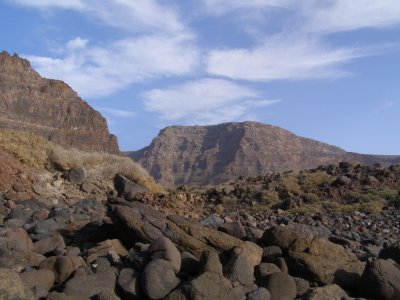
213, 154
49, 108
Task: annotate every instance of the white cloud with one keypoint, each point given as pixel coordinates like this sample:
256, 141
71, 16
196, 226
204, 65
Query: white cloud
77, 43
204, 101
219, 7
42, 4
344, 15
136, 15
117, 112
96, 71
132, 16
282, 57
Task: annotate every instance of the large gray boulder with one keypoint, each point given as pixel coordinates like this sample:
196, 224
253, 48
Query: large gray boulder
315, 259
129, 283
158, 279
281, 286
89, 286
163, 248
381, 280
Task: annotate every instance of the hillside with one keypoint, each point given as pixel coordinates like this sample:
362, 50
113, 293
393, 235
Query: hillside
49, 108
213, 154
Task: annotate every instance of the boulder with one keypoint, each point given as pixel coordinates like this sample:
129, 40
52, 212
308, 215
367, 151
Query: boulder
106, 295
287, 237
40, 278
76, 175
265, 269
272, 251
325, 263
89, 286
53, 244
163, 248
158, 279
103, 249
327, 292
62, 296
127, 188
302, 286
62, 266
21, 237
380, 280
190, 265
259, 294
129, 284
12, 255
238, 268
280, 285
209, 262
211, 285
140, 222
392, 252
235, 229
12, 287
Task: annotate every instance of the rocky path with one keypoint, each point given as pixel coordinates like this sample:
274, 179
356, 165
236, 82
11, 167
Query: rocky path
128, 250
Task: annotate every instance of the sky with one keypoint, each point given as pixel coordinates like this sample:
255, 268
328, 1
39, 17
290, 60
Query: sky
324, 69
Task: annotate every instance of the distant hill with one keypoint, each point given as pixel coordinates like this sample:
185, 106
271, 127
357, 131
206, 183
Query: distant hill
49, 108
213, 154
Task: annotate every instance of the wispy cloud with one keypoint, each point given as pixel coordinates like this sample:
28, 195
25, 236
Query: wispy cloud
138, 15
44, 4
219, 7
99, 71
204, 101
117, 112
343, 15
282, 57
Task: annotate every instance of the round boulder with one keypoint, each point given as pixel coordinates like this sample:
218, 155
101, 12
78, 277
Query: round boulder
163, 248
380, 280
281, 286
158, 279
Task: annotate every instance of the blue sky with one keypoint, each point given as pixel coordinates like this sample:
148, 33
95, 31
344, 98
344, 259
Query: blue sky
323, 69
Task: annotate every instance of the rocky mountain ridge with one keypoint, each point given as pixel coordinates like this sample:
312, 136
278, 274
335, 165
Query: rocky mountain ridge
49, 108
213, 154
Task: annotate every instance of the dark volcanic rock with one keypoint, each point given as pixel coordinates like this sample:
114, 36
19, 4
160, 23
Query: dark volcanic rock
158, 279
49, 108
139, 222
381, 280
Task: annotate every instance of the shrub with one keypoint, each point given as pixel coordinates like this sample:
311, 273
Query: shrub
310, 181
43, 155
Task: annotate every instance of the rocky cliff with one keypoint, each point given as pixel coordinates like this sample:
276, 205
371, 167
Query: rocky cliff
49, 108
213, 154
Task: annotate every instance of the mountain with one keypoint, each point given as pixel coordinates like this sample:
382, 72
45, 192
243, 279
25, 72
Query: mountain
49, 108
214, 154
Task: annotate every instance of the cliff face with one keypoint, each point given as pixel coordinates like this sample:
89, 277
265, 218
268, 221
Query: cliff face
213, 154
49, 108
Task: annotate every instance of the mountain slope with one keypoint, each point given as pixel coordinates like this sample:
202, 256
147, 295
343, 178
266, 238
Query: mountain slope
213, 154
49, 108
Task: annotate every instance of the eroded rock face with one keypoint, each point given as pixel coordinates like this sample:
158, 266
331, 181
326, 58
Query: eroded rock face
213, 154
49, 108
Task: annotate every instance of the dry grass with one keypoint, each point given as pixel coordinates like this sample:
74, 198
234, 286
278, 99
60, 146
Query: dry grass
29, 149
43, 155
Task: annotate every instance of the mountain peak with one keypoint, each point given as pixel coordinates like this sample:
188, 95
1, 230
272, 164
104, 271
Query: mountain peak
217, 153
